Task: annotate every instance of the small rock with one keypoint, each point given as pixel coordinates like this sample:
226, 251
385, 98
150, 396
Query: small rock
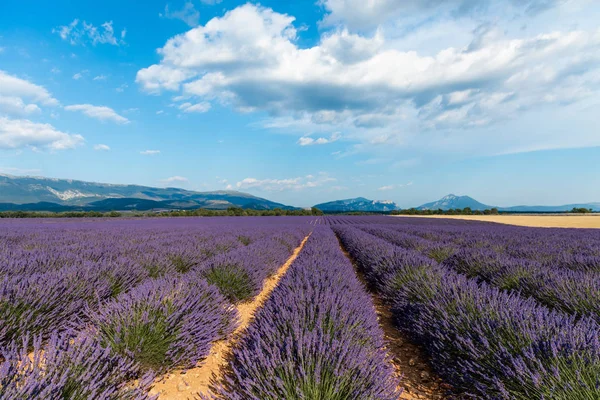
183, 386
412, 362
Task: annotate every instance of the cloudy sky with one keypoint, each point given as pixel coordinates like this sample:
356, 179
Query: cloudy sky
310, 100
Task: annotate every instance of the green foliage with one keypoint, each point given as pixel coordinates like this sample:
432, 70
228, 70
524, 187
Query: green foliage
464, 211
232, 280
581, 210
146, 334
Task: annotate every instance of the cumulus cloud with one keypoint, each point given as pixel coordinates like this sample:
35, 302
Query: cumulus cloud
101, 113
278, 185
100, 78
308, 141
150, 152
101, 147
374, 92
23, 133
16, 105
81, 34
187, 14
361, 14
12, 87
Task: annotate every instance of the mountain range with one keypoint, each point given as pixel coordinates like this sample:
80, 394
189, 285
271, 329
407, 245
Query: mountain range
452, 201
359, 204
49, 194
26, 193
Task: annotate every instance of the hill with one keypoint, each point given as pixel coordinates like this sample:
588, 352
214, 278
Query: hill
49, 194
359, 204
451, 202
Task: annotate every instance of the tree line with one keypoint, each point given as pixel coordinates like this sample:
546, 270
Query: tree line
201, 212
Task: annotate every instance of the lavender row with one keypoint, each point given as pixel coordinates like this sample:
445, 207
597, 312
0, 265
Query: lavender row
40, 303
171, 322
486, 342
576, 249
575, 292
317, 337
69, 367
131, 335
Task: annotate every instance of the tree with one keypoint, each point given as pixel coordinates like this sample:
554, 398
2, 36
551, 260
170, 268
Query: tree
316, 211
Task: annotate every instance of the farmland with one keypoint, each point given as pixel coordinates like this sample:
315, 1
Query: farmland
296, 308
540, 221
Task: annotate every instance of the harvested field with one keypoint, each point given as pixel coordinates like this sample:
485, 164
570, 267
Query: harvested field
540, 221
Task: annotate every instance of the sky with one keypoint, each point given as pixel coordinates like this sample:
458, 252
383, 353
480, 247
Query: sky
308, 101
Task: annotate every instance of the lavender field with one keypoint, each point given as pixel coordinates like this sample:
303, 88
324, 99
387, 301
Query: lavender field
108, 309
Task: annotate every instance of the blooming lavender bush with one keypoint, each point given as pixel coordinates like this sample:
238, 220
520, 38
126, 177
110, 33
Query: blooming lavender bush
317, 336
66, 367
486, 342
164, 323
240, 274
50, 271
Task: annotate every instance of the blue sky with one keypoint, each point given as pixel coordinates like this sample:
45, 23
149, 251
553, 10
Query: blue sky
308, 101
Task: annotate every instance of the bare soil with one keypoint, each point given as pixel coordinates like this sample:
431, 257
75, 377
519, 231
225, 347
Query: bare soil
417, 379
540, 221
185, 384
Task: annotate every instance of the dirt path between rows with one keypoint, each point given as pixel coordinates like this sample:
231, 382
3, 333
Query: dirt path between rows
418, 381
181, 385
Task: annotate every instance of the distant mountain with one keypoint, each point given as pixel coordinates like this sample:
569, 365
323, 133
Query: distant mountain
567, 207
359, 204
48, 194
451, 202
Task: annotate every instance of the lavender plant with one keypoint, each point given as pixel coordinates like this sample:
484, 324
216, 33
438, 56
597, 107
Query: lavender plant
67, 367
164, 323
317, 336
486, 342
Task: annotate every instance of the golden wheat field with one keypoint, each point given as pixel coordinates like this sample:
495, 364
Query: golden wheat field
541, 221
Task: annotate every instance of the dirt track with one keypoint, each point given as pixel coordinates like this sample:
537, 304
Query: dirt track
543, 221
178, 385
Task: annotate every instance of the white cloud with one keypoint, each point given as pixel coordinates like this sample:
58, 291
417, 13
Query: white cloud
19, 171
150, 152
277, 185
100, 78
361, 14
101, 147
175, 179
16, 105
81, 74
392, 187
55, 70
308, 141
379, 92
198, 108
160, 112
81, 34
101, 113
21, 133
11, 87
122, 88
187, 14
